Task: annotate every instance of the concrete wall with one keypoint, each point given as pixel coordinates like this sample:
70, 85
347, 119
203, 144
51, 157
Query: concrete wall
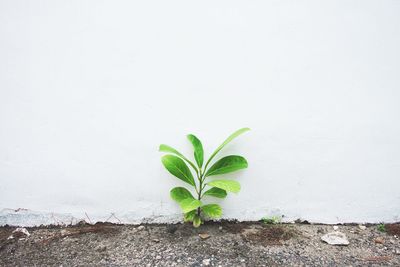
89, 89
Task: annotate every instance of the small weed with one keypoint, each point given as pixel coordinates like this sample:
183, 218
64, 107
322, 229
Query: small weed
272, 220
381, 228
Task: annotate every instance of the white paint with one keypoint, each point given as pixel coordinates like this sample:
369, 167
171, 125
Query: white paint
88, 89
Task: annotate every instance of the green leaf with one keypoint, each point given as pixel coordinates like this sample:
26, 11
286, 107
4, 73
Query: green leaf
227, 164
228, 140
196, 221
168, 149
228, 185
189, 216
212, 210
216, 192
180, 193
189, 204
178, 168
198, 149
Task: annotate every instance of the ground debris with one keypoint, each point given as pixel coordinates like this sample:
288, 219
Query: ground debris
379, 240
335, 238
204, 236
19, 233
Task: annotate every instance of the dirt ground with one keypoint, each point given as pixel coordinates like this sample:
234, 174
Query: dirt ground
223, 244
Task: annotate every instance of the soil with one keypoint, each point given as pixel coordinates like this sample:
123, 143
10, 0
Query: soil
223, 244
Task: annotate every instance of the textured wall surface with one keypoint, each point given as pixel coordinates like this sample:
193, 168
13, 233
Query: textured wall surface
88, 89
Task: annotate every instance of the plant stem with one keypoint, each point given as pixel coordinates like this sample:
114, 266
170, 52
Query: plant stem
200, 190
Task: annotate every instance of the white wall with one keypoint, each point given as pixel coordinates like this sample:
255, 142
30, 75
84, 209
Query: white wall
89, 89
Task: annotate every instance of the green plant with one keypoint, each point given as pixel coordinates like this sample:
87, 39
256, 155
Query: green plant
175, 163
381, 227
272, 220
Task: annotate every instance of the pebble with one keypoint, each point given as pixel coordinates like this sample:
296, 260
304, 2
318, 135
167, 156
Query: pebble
379, 240
141, 227
206, 262
397, 251
101, 248
204, 235
362, 227
158, 257
335, 227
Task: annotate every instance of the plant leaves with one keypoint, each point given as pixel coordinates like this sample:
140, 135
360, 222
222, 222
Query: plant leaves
198, 149
189, 204
180, 193
168, 149
212, 210
228, 185
216, 192
178, 168
227, 164
189, 216
228, 140
196, 221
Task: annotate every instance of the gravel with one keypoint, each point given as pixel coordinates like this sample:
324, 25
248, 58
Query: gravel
228, 244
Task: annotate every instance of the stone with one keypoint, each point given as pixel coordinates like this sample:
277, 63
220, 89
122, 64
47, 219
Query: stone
362, 227
141, 227
379, 240
335, 238
335, 227
204, 235
101, 248
19, 233
206, 262
397, 251
155, 240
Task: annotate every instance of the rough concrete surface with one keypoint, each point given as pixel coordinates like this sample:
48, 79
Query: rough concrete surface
219, 244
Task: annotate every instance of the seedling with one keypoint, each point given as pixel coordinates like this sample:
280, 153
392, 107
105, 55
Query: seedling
272, 220
193, 208
381, 227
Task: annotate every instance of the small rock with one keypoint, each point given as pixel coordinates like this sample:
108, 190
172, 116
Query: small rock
220, 228
362, 227
204, 235
335, 238
397, 251
158, 257
19, 233
335, 227
141, 227
379, 240
206, 262
101, 248
155, 240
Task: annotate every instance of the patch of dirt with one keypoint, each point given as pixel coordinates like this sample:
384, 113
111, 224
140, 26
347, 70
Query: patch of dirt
268, 235
227, 244
393, 229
